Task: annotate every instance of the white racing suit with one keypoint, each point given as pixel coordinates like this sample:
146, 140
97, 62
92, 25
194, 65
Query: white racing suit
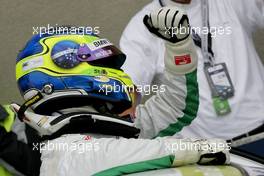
163, 115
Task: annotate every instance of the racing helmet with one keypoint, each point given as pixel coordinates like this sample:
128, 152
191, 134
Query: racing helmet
59, 71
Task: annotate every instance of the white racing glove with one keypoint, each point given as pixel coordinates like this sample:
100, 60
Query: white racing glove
203, 152
172, 25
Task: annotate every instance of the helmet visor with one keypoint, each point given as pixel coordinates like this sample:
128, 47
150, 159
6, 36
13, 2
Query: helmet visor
68, 54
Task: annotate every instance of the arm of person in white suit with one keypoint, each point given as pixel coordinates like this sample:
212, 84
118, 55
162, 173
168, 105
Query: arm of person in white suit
111, 156
171, 110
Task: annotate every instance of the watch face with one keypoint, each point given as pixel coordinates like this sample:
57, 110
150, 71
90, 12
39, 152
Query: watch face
64, 54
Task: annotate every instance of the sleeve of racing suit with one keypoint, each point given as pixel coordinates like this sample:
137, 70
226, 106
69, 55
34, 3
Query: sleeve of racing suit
141, 50
251, 13
87, 155
176, 106
17, 154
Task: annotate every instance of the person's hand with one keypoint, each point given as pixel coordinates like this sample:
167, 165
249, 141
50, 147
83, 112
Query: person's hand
202, 152
213, 152
172, 25
7, 117
168, 23
136, 98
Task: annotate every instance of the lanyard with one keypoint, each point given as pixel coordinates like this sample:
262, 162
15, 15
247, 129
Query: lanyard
206, 39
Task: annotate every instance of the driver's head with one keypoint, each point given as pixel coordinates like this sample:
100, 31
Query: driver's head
69, 70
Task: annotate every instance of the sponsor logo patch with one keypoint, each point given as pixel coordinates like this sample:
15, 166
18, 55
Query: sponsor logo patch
183, 60
33, 63
101, 43
103, 79
87, 138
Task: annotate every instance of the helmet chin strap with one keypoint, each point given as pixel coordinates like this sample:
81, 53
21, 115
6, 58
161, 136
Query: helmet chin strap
31, 101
